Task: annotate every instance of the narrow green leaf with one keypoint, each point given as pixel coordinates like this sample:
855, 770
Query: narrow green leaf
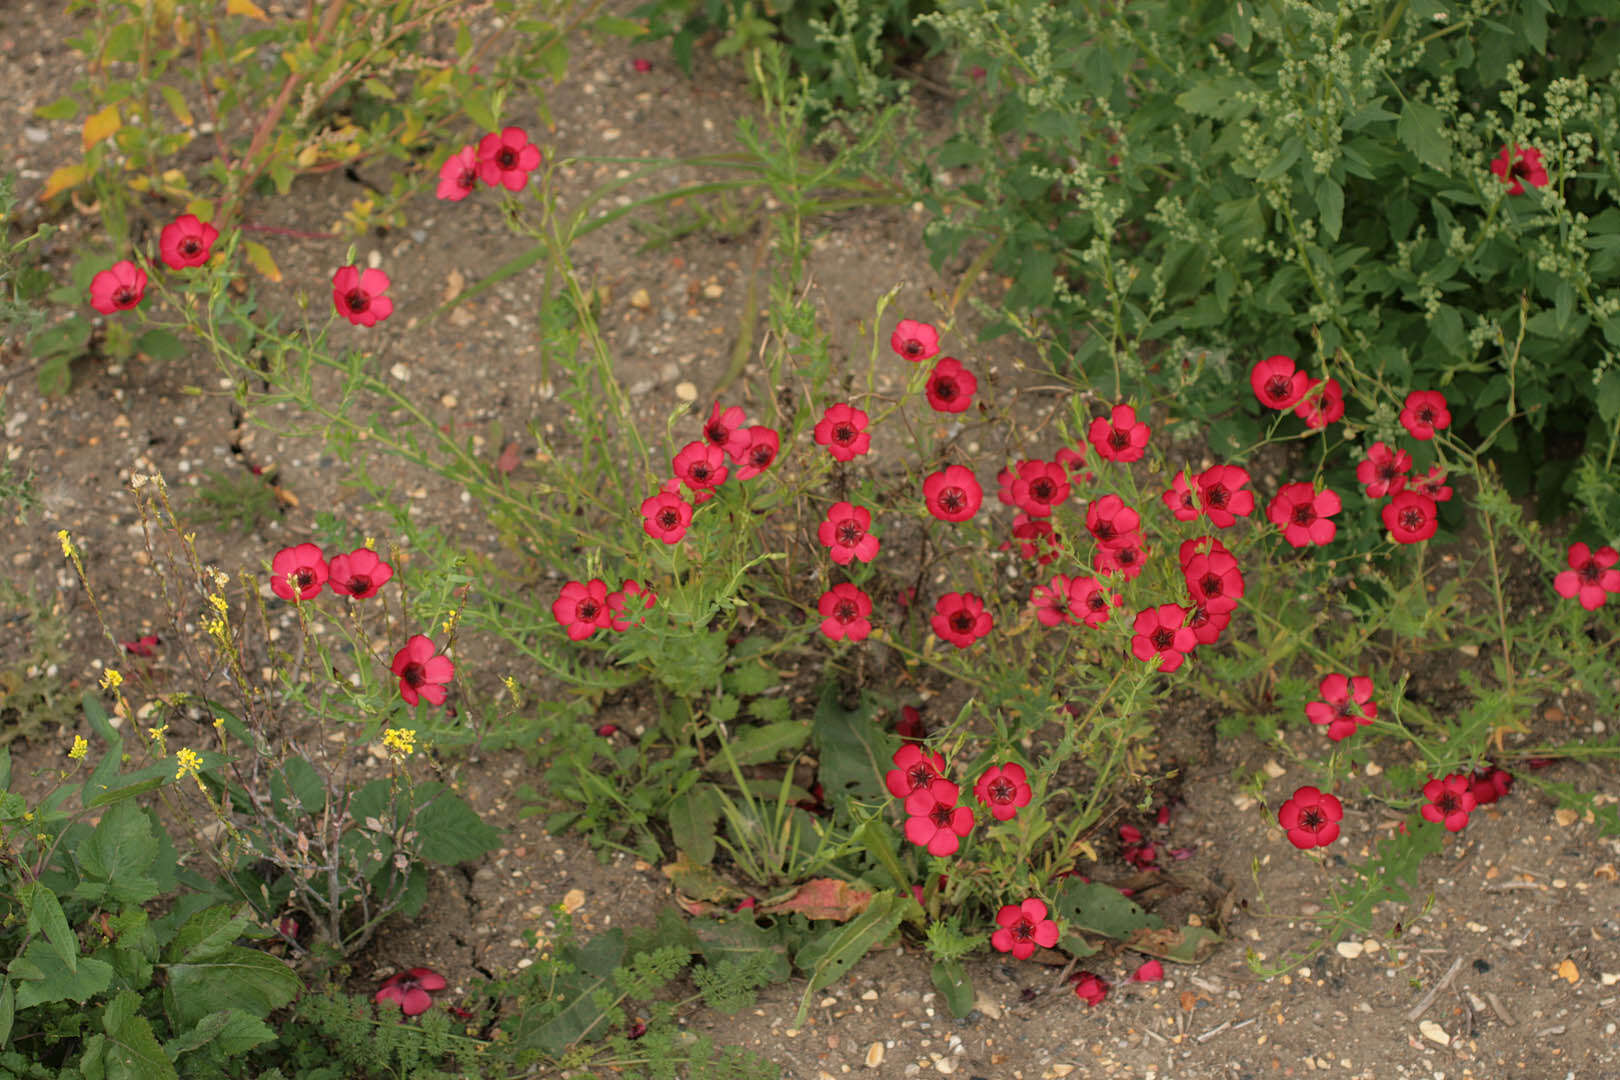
831, 953
1330, 205
757, 745
951, 980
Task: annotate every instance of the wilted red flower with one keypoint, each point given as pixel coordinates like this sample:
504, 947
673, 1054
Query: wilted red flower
1003, 789
842, 430
665, 517
641, 65
1073, 459
186, 241
626, 605
914, 340
1119, 437
1215, 582
358, 295
845, 533
1410, 517
763, 444
1093, 598
1488, 785
1089, 988
701, 467
1161, 636
1112, 523
458, 176
910, 726
142, 646
1060, 602
950, 387
914, 770
1179, 499
1527, 169
1311, 818
1451, 800
1302, 513
1425, 413
1345, 706
1021, 927
1036, 487
953, 493
422, 671
582, 608
1207, 625
1276, 384
960, 619
409, 990
117, 288
1124, 559
1151, 971
507, 159
1591, 575
359, 574
1322, 404
297, 573
1221, 494
725, 430
1383, 470
940, 828
1035, 537
845, 608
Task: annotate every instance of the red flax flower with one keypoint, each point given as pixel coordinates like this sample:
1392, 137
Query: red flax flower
409, 990
940, 828
507, 159
1062, 601
1199, 545
422, 671
1093, 598
1112, 523
914, 770
960, 619
1221, 496
702, 468
142, 646
625, 605
359, 574
117, 288
1161, 636
1179, 499
297, 573
665, 517
582, 608
1037, 487
1433, 484
1528, 169
458, 176
1591, 575
1345, 706
1151, 971
1424, 414
1022, 927
1302, 513
845, 533
1124, 559
1322, 404
953, 493
725, 430
186, 241
950, 387
1119, 437
763, 444
1277, 384
1035, 537
1383, 470
1214, 581
914, 340
1207, 625
1451, 800
1410, 517
1311, 818
358, 295
1003, 789
845, 609
1491, 784
842, 430
1089, 988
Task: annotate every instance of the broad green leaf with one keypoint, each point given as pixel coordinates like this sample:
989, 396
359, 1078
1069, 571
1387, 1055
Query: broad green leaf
45, 916
1101, 909
131, 1051
1422, 130
1330, 205
613, 24
42, 977
160, 345
63, 108
757, 745
692, 817
229, 978
8, 1009
831, 953
120, 852
951, 980
853, 749
451, 831
231, 1030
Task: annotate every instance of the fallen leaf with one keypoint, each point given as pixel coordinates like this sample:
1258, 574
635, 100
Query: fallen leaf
454, 282
510, 456
1566, 817
246, 7
68, 176
1434, 1032
100, 125
258, 256
573, 900
823, 898
1569, 972
1189, 945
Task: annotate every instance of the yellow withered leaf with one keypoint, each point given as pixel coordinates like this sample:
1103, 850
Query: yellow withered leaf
100, 125
68, 176
246, 7
258, 256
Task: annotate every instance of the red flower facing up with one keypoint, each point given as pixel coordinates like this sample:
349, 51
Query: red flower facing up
507, 159
665, 517
914, 341
702, 468
1411, 518
1591, 576
422, 671
1151, 971
953, 493
1345, 706
1221, 494
1488, 785
842, 430
1451, 800
1302, 513
1277, 384
1021, 927
1073, 459
960, 619
1214, 581
186, 241
914, 770
940, 828
1061, 602
1433, 484
117, 288
1322, 404
1383, 470
1179, 500
725, 430
845, 534
1089, 988
625, 606
1527, 169
1424, 414
950, 387
298, 573
1003, 789
1199, 545
409, 990
763, 444
358, 295
1035, 537
1092, 598
1112, 523
143, 646
359, 574
845, 609
1126, 560
1161, 637
1036, 487
1119, 437
1207, 626
1311, 818
582, 608
458, 176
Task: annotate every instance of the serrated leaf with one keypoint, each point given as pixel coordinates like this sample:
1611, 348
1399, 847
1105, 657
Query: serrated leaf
853, 750
120, 852
8, 1009
246, 7
231, 1030
42, 977
63, 178
258, 257
692, 818
101, 125
131, 1051
45, 916
1421, 130
1101, 909
451, 830
231, 978
758, 745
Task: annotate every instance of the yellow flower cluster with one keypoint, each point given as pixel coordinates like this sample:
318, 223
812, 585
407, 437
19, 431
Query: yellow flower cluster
111, 679
67, 543
80, 748
187, 762
401, 741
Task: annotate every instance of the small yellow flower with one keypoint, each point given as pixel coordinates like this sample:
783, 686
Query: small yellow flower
371, 543
188, 762
158, 732
219, 723
111, 679
401, 741
511, 685
67, 543
80, 748
219, 602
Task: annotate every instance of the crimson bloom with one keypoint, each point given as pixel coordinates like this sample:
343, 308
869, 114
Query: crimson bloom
1124, 559
422, 671
701, 467
1527, 169
1322, 404
1345, 706
842, 430
458, 176
142, 646
960, 619
763, 444
665, 517
359, 574
1089, 988
1037, 487
1060, 602
1022, 927
625, 604
1221, 495
297, 573
1179, 499
845, 609
1207, 625
582, 608
845, 533
1276, 384
1451, 800
1094, 600
1199, 545
1119, 437
117, 288
1112, 523
953, 493
914, 770
1151, 971
409, 990
1073, 458
1425, 413
1311, 818
186, 241
1302, 513
1433, 484
1035, 537
1383, 470
1410, 517
725, 430
1214, 581
507, 159
1591, 575
1003, 789
358, 295
914, 340
1491, 784
940, 828
1162, 637
950, 387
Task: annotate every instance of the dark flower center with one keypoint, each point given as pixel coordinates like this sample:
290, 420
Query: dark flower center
846, 611
944, 388
699, 472
668, 518
467, 179
1304, 513
850, 532
844, 433
911, 347
1163, 638
1216, 495
1119, 439
1387, 470
1349, 710
1412, 519
1447, 802
190, 246
1096, 601
587, 610
1022, 930
1589, 571
304, 576
414, 675
1210, 584
1312, 818
1127, 556
1104, 531
961, 622
506, 158
952, 499
717, 433
1002, 790
1279, 388
125, 297
919, 776
761, 456
941, 814
1521, 169
1043, 490
359, 583
1425, 415
357, 300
